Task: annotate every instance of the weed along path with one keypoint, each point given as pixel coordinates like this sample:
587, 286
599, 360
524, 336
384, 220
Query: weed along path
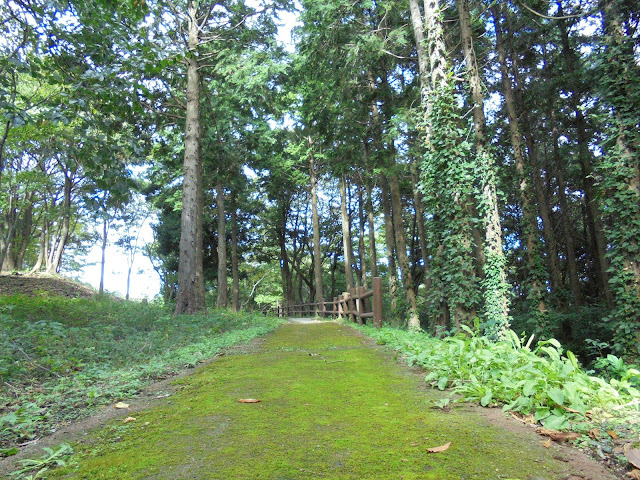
331, 406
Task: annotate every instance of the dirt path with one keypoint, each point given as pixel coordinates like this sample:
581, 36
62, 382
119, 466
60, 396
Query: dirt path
332, 406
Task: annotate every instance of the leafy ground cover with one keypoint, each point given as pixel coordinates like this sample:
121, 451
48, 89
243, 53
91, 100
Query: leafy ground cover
62, 357
329, 405
541, 383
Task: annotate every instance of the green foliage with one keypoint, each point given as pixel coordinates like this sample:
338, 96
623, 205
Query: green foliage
36, 468
59, 356
447, 184
541, 380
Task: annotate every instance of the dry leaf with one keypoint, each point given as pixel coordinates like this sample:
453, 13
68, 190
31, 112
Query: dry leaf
248, 400
633, 456
558, 436
121, 405
414, 444
594, 433
526, 419
439, 449
129, 419
612, 434
634, 474
547, 443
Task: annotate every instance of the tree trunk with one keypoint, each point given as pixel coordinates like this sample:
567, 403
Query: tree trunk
422, 234
622, 169
495, 283
105, 231
317, 255
372, 233
413, 321
361, 247
43, 247
223, 296
390, 243
346, 234
594, 219
529, 220
190, 297
63, 236
421, 49
235, 276
574, 280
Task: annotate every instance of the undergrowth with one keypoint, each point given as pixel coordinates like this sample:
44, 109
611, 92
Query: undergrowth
60, 357
540, 380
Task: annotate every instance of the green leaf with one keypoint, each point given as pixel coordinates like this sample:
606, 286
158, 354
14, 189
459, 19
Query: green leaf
442, 383
541, 414
7, 452
486, 399
556, 395
555, 422
529, 387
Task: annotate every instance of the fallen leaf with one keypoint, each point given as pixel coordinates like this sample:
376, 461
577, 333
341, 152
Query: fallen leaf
526, 419
594, 433
612, 434
558, 436
121, 405
248, 400
129, 419
633, 456
414, 444
547, 443
439, 449
634, 474
404, 460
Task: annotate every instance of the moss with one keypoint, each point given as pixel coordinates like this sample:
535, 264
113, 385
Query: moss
331, 407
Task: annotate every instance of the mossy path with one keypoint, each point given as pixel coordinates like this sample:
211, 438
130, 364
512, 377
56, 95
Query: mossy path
332, 406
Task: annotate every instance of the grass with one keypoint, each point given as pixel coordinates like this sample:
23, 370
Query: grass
60, 357
331, 406
538, 380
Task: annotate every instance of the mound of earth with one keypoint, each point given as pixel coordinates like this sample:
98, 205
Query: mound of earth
37, 284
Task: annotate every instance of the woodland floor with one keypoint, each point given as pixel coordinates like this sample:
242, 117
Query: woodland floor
38, 284
333, 405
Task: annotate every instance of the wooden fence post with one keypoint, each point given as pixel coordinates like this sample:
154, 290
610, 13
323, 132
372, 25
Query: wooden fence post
361, 305
377, 301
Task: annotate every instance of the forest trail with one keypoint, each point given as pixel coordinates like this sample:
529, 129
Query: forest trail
332, 405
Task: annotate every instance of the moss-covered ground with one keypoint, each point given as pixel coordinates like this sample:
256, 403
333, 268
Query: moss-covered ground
332, 406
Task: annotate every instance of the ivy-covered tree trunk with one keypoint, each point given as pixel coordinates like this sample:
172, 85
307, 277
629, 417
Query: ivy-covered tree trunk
495, 283
190, 296
620, 171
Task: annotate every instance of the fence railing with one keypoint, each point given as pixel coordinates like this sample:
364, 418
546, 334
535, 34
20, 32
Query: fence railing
356, 305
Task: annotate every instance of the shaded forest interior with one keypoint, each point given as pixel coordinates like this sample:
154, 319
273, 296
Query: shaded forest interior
481, 157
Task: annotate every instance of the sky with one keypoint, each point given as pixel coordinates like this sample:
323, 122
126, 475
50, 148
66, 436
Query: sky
145, 282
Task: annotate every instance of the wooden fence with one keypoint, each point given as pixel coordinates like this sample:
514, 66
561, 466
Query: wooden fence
356, 305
